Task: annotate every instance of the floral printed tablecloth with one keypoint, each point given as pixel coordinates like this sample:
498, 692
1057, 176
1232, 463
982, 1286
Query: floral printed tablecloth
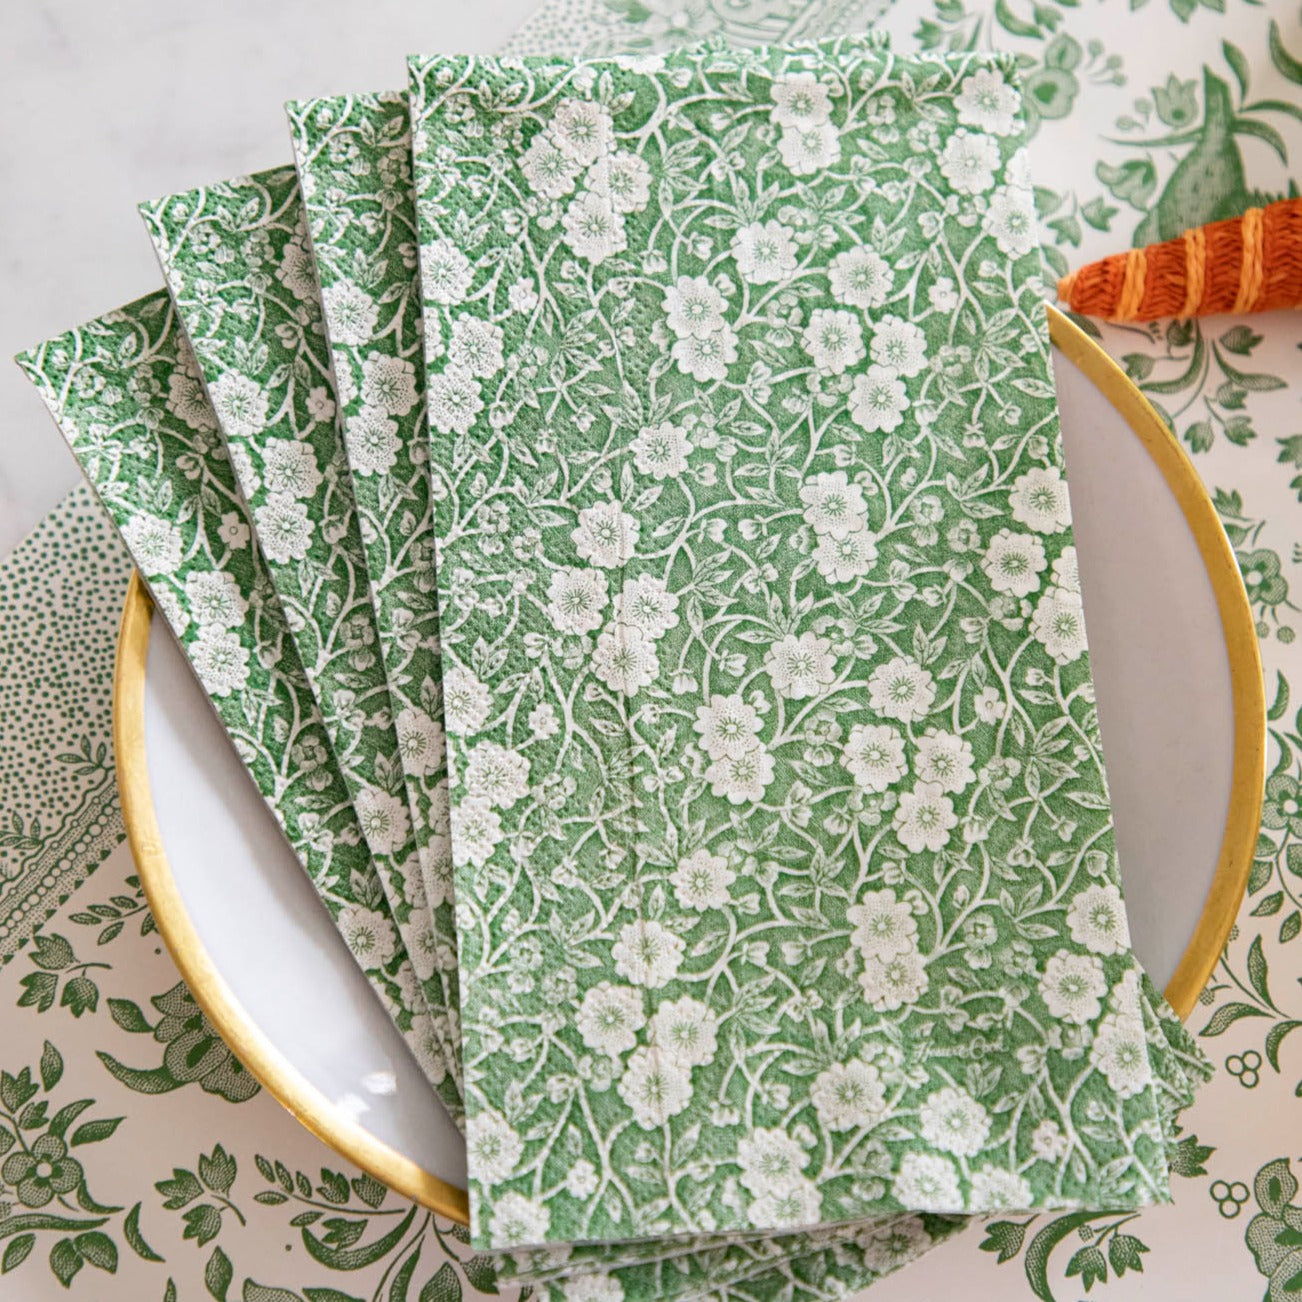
139, 1161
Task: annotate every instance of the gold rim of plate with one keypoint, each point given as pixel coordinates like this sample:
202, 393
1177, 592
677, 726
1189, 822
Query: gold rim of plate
288, 1086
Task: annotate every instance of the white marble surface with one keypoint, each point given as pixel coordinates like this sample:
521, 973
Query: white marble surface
107, 102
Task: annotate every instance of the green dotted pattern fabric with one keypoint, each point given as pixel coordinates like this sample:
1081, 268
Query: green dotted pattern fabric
61, 590
779, 820
127, 395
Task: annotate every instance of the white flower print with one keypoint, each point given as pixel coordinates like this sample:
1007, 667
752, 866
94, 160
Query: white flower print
895, 1243
454, 400
388, 383
874, 756
883, 926
220, 659
1014, 562
445, 275
800, 667
623, 180
548, 168
988, 102
610, 1017
1010, 220
969, 161
576, 598
493, 1147
351, 312
1048, 1142
385, 822
246, 474
543, 721
583, 130
581, 1181
901, 689
518, 1220
799, 1204
861, 277
475, 346
899, 346
427, 1043
833, 339
701, 881
606, 535
944, 758
890, 983
1065, 572
647, 953
1120, 1052
596, 1287
320, 405
800, 100
686, 1031
1059, 625
369, 935
765, 252
625, 659
848, 1095
497, 773
843, 560
647, 603
372, 440
476, 831
728, 726
834, 505
289, 467
990, 705
1039, 500
706, 357
284, 529
1072, 986
187, 401
878, 400
741, 778
233, 531
771, 1162
694, 308
927, 1182
422, 943
809, 149
215, 598
655, 1087
466, 701
995, 1190
593, 229
661, 450
953, 1121
240, 405
1096, 918
296, 270
924, 818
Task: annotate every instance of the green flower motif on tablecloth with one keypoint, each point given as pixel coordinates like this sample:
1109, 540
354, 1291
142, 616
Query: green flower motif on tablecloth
43, 1171
1282, 807
1262, 578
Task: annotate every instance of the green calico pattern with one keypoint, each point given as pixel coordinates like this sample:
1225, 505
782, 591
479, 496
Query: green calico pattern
766, 690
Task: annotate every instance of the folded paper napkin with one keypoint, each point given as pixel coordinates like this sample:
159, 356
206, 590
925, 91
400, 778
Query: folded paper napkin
789, 918
779, 820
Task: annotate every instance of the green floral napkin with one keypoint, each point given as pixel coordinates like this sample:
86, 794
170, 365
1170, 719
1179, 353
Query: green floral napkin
354, 166
239, 266
127, 395
777, 743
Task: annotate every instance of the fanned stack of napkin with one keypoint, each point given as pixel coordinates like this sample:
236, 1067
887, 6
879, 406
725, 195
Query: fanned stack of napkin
616, 508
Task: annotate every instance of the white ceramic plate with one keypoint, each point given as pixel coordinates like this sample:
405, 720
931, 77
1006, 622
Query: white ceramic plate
1180, 701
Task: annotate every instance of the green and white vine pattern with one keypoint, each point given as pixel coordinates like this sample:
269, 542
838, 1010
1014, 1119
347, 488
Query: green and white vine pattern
1229, 1234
